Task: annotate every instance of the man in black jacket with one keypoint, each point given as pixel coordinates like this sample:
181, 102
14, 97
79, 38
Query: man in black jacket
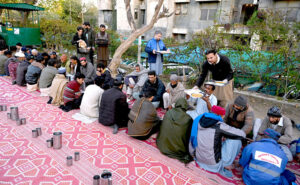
78, 38
154, 82
90, 38
114, 109
220, 67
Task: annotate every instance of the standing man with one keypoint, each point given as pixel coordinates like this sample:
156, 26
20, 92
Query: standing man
102, 41
79, 40
153, 48
90, 40
220, 67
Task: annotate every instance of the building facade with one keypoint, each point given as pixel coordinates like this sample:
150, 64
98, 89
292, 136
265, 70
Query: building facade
190, 16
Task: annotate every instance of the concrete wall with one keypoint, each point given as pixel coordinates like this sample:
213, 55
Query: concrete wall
227, 11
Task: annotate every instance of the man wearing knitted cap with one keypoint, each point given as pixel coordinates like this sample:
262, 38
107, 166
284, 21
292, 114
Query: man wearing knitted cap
206, 145
264, 161
175, 90
240, 115
281, 124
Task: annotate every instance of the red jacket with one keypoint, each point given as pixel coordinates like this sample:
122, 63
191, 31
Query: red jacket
71, 92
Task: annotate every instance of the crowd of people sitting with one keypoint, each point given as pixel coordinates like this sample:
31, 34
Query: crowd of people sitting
193, 129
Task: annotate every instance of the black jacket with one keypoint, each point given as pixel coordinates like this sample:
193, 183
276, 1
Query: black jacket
76, 38
220, 71
113, 108
90, 37
21, 72
158, 85
108, 80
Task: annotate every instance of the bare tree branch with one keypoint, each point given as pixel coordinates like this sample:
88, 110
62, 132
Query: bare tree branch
137, 32
129, 15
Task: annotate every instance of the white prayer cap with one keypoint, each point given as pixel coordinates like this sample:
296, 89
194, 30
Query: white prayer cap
19, 54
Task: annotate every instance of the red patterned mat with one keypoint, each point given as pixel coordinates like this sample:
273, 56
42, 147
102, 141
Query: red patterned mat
27, 160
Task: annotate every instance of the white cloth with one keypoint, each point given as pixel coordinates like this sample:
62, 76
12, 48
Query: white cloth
129, 89
202, 106
31, 88
91, 101
83, 118
167, 100
45, 91
256, 127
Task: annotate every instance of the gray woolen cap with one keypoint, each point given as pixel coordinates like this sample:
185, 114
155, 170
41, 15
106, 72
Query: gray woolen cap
173, 77
241, 101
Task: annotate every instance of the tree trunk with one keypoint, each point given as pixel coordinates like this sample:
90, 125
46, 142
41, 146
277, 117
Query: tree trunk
115, 63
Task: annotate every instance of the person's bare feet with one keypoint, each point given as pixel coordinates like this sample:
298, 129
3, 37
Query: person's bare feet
230, 167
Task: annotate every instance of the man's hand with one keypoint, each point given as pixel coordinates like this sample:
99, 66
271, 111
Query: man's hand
205, 98
187, 96
131, 86
98, 73
154, 51
168, 91
170, 107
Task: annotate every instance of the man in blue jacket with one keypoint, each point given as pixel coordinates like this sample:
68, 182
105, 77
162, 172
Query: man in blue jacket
264, 162
153, 48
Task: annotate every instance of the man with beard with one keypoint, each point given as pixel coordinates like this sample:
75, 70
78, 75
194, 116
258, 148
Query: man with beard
90, 40
154, 82
280, 124
102, 41
240, 115
88, 70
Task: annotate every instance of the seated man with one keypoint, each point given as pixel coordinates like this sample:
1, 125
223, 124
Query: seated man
91, 99
105, 73
33, 73
175, 90
280, 124
154, 82
134, 87
114, 109
143, 119
72, 94
206, 145
88, 70
264, 161
240, 115
3, 59
22, 70
173, 137
10, 56
205, 103
57, 88
64, 62
47, 76
13, 66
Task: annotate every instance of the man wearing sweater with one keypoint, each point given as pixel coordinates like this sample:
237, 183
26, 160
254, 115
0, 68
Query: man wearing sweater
72, 94
220, 67
88, 70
